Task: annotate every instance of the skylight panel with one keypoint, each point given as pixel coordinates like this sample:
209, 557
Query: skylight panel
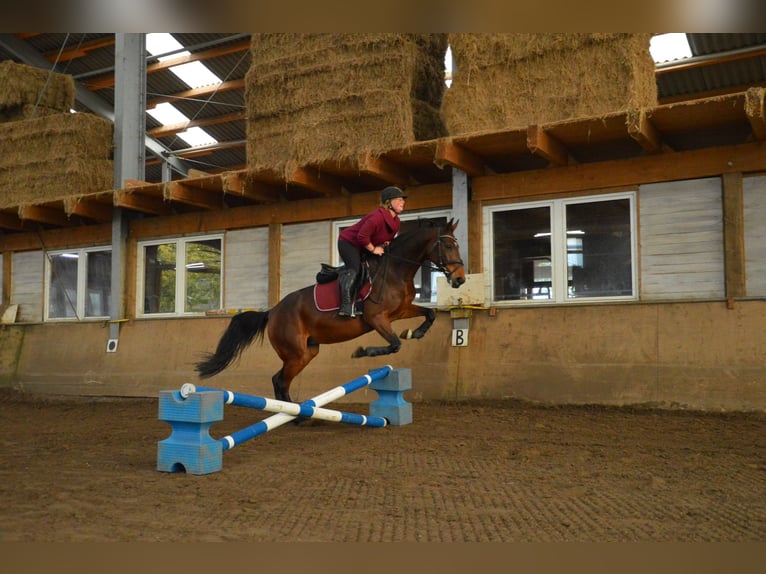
197, 137
163, 43
167, 114
668, 47
196, 74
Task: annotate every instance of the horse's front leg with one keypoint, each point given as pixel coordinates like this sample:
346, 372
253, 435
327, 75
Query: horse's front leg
414, 311
382, 326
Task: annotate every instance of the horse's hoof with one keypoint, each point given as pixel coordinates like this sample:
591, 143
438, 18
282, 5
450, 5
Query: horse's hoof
358, 353
406, 334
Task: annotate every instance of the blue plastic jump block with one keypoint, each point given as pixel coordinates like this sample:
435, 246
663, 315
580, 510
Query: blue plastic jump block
390, 403
190, 447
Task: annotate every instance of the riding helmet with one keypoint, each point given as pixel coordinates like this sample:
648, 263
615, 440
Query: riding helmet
390, 193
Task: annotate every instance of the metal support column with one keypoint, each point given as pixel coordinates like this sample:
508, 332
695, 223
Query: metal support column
461, 195
129, 155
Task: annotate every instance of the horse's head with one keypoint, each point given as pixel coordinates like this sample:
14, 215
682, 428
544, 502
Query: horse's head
445, 254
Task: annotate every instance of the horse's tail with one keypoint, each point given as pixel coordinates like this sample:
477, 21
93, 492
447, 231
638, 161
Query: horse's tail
242, 330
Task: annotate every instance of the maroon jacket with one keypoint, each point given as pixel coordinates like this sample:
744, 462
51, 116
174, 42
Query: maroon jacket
377, 227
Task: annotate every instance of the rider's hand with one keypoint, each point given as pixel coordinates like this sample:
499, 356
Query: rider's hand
377, 250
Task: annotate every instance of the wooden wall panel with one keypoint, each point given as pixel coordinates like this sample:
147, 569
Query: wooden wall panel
246, 281
304, 247
27, 285
754, 189
681, 226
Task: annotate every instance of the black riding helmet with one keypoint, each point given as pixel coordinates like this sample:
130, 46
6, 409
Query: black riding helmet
390, 193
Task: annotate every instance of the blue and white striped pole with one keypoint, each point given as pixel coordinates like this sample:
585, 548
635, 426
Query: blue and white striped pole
287, 411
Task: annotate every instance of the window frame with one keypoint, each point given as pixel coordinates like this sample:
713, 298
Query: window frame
81, 287
180, 286
559, 254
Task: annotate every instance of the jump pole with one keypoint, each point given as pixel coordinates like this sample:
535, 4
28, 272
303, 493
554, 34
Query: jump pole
288, 411
192, 410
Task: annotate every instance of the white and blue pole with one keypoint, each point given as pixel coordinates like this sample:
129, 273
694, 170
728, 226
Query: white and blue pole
287, 411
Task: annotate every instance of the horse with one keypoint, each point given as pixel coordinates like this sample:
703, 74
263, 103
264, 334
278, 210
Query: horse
296, 328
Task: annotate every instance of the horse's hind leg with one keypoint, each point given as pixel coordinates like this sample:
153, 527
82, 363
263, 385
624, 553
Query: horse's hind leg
291, 366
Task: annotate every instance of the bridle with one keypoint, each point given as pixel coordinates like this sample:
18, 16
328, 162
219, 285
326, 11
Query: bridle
442, 264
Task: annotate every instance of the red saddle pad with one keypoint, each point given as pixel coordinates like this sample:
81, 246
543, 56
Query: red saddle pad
327, 295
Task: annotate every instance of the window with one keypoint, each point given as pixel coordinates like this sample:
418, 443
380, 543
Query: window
196, 289
425, 278
563, 250
79, 284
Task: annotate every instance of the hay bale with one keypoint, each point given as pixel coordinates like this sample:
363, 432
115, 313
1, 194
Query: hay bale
25, 112
54, 156
22, 85
311, 98
507, 81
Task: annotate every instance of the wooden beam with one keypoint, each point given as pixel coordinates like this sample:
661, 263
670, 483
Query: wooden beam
641, 129
312, 179
10, 221
84, 235
603, 175
107, 81
142, 203
755, 110
237, 183
43, 214
542, 144
275, 263
194, 196
197, 92
170, 130
80, 50
385, 170
89, 208
734, 235
451, 153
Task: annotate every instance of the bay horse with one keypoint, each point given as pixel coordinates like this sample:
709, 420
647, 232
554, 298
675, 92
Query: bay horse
296, 327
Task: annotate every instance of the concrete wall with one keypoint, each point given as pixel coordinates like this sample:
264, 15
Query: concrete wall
700, 355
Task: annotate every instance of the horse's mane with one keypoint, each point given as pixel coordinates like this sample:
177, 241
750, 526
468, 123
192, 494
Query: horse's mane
407, 236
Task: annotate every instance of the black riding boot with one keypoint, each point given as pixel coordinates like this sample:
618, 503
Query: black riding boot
346, 281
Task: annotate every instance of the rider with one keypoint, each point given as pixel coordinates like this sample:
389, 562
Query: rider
372, 233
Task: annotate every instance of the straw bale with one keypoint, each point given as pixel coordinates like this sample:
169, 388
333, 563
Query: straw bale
496, 86
25, 112
37, 181
54, 156
26, 85
54, 137
317, 97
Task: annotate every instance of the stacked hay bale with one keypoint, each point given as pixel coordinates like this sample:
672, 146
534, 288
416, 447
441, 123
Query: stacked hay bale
27, 92
56, 154
514, 80
311, 98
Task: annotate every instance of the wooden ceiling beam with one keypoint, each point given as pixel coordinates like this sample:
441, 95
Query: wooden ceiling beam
542, 144
312, 179
385, 170
44, 214
149, 204
194, 196
173, 129
756, 112
89, 208
237, 183
80, 50
10, 221
197, 92
641, 129
455, 155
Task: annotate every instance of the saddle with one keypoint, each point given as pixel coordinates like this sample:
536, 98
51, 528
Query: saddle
327, 292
